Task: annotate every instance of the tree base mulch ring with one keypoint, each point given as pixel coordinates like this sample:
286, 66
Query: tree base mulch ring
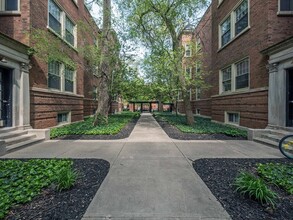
175, 133
219, 175
124, 133
69, 204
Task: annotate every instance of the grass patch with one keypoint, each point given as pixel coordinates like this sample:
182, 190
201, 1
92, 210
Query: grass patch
21, 181
202, 126
115, 124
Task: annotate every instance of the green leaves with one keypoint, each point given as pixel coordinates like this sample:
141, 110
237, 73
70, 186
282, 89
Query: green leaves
114, 126
20, 181
277, 174
202, 126
255, 188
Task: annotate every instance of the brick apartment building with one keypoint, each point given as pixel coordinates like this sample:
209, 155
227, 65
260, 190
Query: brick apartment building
247, 48
47, 93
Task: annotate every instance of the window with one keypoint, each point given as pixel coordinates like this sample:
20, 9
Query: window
54, 78
226, 31
69, 29
234, 24
61, 24
188, 71
242, 74
286, 5
188, 52
9, 5
198, 93
241, 14
232, 118
54, 17
69, 80
63, 117
226, 76
235, 77
197, 111
61, 77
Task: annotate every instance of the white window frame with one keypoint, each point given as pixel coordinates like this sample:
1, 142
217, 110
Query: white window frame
186, 48
283, 12
227, 118
63, 17
4, 11
232, 15
233, 78
197, 111
190, 71
198, 93
62, 80
68, 116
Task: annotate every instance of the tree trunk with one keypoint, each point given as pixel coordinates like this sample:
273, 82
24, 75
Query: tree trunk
105, 68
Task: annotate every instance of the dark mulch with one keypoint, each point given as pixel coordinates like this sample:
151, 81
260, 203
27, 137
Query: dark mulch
175, 133
219, 175
70, 204
124, 133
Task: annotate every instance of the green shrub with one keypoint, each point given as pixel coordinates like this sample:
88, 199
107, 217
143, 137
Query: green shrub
278, 174
255, 188
65, 178
115, 124
21, 181
201, 126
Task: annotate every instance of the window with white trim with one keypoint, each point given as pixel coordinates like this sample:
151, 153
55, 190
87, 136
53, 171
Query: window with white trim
188, 51
198, 93
188, 72
197, 111
235, 76
63, 117
61, 77
9, 5
226, 79
286, 5
232, 117
61, 24
54, 75
242, 74
226, 31
234, 24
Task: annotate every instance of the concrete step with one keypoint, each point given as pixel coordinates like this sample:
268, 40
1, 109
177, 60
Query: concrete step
7, 130
27, 143
272, 137
281, 133
12, 134
266, 141
19, 139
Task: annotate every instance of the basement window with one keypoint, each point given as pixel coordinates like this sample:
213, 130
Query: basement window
63, 117
232, 118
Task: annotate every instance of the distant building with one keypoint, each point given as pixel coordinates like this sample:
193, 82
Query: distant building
248, 53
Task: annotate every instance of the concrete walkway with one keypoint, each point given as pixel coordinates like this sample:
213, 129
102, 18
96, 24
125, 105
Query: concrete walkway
151, 176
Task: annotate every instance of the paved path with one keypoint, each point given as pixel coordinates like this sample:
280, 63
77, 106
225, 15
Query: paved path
151, 176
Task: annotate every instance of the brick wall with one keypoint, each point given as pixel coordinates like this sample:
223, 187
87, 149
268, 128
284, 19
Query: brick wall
45, 106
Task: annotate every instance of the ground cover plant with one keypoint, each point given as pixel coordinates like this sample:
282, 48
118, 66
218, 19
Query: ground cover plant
202, 125
21, 181
115, 124
250, 188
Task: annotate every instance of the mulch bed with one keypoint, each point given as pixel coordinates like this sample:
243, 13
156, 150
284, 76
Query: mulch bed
124, 133
219, 175
69, 204
175, 133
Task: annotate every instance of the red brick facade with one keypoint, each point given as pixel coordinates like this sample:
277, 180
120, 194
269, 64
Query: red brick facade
47, 103
265, 28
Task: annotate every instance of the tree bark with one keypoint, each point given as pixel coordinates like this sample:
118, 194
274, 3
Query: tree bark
105, 68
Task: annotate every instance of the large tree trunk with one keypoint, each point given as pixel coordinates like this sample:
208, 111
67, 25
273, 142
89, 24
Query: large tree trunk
105, 68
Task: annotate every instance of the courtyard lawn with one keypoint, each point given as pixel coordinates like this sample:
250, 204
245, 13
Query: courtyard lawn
115, 125
202, 126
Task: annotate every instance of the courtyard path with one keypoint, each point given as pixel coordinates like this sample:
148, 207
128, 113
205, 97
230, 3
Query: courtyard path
151, 176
